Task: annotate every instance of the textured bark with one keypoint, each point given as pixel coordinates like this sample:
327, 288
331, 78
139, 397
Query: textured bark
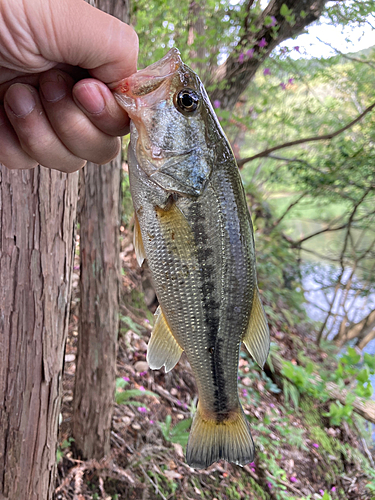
99, 292
361, 330
37, 213
233, 77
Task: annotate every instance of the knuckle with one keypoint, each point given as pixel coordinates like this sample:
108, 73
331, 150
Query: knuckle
108, 151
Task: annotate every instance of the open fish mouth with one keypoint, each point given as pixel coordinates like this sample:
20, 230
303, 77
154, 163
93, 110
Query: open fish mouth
149, 79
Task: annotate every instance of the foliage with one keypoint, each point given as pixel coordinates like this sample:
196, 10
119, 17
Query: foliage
124, 397
177, 434
62, 448
309, 383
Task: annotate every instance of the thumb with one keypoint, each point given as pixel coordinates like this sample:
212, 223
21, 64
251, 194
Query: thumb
78, 34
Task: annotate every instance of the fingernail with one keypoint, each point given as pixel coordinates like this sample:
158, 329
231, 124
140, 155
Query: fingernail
20, 99
55, 88
90, 97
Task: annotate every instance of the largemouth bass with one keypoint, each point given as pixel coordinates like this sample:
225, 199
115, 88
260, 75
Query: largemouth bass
194, 228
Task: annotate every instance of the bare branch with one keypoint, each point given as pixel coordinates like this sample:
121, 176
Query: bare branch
351, 58
327, 229
324, 137
277, 222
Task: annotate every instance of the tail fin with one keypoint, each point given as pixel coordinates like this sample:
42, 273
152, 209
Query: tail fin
210, 441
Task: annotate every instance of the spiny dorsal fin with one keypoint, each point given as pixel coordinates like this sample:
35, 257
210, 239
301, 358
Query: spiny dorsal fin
163, 349
257, 335
138, 242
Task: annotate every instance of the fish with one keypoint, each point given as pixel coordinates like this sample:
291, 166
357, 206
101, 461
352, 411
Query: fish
193, 227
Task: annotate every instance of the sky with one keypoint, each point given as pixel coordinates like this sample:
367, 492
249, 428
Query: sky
344, 39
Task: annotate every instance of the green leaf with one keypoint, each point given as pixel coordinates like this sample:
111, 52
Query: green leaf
369, 360
121, 383
363, 375
122, 397
181, 426
284, 11
351, 357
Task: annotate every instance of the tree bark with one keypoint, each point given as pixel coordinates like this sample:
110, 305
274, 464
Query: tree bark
99, 304
359, 330
234, 76
37, 214
99, 216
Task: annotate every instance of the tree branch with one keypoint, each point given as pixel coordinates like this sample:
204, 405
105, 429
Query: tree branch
233, 77
277, 222
351, 58
324, 137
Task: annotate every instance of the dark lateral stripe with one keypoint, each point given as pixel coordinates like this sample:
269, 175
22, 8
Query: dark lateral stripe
211, 309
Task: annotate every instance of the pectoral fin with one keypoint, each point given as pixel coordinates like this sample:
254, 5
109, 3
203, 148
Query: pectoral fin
163, 349
257, 335
138, 242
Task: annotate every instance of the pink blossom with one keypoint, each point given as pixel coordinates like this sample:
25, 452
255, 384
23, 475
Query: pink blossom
333, 488
252, 464
272, 405
291, 81
293, 479
217, 104
142, 388
241, 57
283, 86
127, 379
272, 23
147, 321
269, 485
321, 492
252, 469
142, 409
151, 422
315, 445
250, 53
266, 71
296, 48
262, 43
142, 374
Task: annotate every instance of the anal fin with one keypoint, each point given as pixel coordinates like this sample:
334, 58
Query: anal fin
163, 349
138, 242
257, 335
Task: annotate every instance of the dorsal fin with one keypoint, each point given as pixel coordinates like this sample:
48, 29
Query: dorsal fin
163, 349
257, 335
138, 242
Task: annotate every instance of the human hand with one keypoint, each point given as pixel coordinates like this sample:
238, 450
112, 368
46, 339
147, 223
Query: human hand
49, 112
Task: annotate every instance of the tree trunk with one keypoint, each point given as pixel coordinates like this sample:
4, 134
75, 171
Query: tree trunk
37, 213
358, 331
233, 77
99, 303
99, 291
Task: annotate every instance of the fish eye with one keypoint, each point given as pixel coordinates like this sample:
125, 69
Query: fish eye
187, 100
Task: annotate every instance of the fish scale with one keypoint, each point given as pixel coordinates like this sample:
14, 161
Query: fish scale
194, 229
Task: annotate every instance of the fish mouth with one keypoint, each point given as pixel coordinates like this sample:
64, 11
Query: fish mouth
149, 79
